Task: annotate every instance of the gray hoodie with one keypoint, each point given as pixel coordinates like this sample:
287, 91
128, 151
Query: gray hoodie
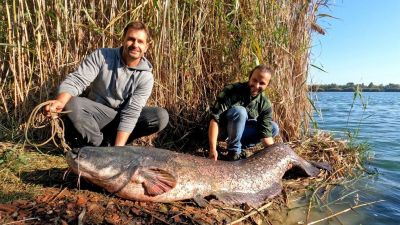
113, 84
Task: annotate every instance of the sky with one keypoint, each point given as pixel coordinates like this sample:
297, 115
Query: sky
361, 46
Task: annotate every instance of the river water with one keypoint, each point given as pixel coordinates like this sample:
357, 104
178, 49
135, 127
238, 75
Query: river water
377, 119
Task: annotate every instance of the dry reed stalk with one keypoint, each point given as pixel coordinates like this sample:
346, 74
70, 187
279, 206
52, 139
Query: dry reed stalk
198, 47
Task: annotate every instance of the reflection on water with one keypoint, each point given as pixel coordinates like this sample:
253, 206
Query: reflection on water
299, 208
379, 125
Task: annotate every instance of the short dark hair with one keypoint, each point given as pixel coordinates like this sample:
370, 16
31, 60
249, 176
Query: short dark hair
263, 68
137, 25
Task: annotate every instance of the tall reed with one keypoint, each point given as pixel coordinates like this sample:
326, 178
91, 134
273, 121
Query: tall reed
197, 48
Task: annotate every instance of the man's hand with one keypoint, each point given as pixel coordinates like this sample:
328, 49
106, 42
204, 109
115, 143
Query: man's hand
213, 154
267, 141
55, 106
122, 138
58, 104
212, 139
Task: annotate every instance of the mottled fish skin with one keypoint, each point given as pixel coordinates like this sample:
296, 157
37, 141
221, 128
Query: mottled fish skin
159, 175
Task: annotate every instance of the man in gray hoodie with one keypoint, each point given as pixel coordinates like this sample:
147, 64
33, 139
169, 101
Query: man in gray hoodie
120, 82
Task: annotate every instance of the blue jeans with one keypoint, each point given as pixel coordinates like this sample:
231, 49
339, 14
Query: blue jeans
240, 130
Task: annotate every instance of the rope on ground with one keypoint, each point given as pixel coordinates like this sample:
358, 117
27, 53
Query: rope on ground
37, 120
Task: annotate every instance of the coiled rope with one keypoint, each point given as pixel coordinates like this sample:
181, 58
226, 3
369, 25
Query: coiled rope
37, 120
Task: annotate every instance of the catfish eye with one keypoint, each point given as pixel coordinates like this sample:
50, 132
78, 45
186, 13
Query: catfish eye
82, 155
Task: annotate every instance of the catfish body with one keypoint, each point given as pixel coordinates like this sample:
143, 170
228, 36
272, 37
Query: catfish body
159, 175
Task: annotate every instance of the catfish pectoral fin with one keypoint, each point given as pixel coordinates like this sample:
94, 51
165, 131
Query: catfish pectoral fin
155, 181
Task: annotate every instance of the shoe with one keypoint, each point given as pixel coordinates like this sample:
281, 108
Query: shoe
244, 146
233, 155
244, 154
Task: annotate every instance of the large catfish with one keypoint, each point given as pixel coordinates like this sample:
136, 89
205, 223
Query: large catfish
159, 175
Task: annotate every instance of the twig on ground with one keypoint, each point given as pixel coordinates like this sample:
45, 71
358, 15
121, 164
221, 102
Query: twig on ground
259, 210
80, 217
153, 215
232, 209
58, 195
21, 221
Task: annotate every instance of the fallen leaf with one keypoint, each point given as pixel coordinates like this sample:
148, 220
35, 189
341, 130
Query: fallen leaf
20, 202
81, 200
113, 219
163, 209
7, 208
70, 205
136, 211
177, 219
93, 207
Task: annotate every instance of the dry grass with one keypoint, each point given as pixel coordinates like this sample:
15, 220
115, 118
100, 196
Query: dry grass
17, 160
198, 47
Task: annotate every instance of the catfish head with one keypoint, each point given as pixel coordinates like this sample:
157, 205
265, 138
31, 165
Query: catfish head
100, 163
113, 168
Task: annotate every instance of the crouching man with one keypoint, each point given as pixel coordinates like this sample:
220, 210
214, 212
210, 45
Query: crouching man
120, 81
242, 115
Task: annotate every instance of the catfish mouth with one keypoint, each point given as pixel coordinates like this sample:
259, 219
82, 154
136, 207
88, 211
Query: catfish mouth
79, 163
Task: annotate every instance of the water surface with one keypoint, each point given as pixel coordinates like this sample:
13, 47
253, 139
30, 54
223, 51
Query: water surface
377, 119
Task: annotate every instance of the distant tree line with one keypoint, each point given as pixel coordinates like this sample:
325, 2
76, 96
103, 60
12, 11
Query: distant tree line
350, 87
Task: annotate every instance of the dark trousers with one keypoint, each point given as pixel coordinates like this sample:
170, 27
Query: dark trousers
93, 123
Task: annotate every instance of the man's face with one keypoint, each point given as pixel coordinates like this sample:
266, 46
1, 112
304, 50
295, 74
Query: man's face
258, 82
134, 44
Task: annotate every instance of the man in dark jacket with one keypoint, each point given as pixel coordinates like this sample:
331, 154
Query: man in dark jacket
242, 113
120, 81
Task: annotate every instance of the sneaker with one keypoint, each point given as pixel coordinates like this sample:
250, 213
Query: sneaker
244, 154
233, 155
246, 146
